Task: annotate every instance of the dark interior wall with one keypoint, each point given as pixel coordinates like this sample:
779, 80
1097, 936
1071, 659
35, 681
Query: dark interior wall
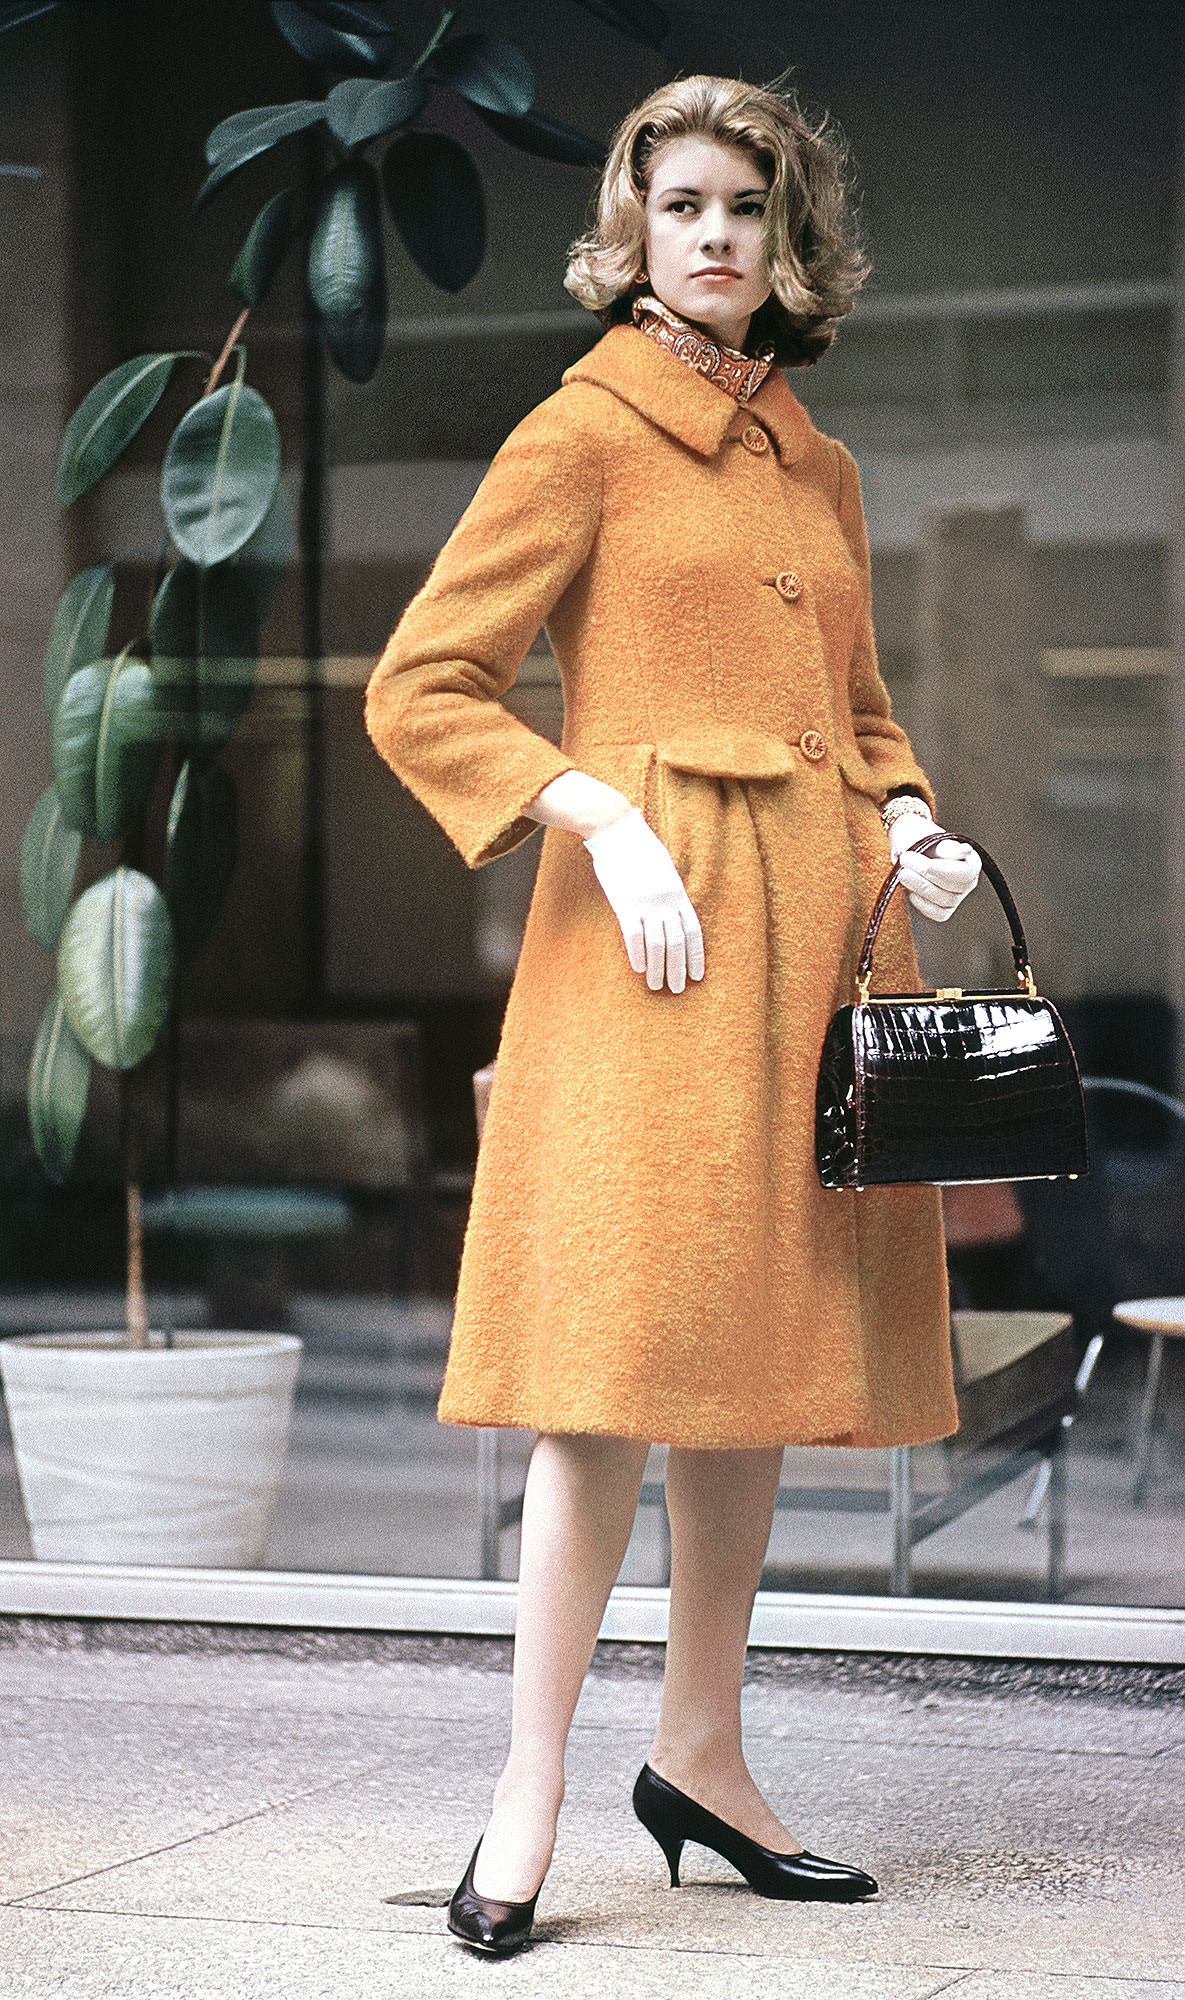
149, 81
1007, 144
997, 145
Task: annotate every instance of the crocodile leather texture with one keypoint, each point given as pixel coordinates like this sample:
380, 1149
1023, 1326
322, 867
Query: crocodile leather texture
922, 1087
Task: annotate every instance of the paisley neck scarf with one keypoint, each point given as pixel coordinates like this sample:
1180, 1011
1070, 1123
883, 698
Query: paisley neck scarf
737, 374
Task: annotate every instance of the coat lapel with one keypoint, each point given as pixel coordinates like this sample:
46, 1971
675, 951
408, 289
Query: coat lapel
669, 393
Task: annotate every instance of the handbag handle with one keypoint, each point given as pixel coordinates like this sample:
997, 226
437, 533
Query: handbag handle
1020, 950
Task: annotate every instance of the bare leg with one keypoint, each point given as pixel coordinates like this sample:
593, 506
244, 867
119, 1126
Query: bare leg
721, 1506
578, 1509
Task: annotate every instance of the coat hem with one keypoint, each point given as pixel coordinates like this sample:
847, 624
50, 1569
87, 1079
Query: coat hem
697, 1440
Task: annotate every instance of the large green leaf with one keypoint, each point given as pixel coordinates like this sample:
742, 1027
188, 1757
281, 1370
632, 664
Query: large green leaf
49, 859
359, 110
546, 138
59, 1079
435, 196
80, 628
243, 128
115, 967
354, 17
347, 271
200, 850
339, 37
107, 420
264, 558
106, 743
253, 133
17, 12
486, 69
220, 472
263, 252
346, 247
204, 629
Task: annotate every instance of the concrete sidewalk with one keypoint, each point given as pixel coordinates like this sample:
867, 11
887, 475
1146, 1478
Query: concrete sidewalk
194, 1811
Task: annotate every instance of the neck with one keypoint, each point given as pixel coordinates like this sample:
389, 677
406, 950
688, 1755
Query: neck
729, 333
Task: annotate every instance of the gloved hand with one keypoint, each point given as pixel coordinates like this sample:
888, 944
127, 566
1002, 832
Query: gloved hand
935, 883
645, 891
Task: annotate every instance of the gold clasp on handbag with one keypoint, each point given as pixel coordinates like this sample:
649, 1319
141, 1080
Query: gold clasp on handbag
948, 992
1025, 980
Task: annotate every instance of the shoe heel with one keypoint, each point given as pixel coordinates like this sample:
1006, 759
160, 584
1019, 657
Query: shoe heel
672, 1847
649, 1811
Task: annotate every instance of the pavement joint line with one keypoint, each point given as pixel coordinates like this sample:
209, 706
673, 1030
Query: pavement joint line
186, 1840
753, 1731
159, 1704
209, 1917
541, 1938
961, 1973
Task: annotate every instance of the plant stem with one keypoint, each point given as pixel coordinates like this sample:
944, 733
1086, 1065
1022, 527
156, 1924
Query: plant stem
137, 1299
214, 376
137, 1303
445, 23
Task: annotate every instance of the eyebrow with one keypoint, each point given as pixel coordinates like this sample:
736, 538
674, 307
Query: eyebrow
741, 192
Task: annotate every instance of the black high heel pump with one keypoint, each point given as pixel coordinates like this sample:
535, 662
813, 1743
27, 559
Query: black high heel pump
485, 1923
672, 1818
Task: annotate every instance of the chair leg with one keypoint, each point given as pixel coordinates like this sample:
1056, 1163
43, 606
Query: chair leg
1036, 1498
489, 1501
1144, 1432
1056, 1573
901, 1510
665, 1532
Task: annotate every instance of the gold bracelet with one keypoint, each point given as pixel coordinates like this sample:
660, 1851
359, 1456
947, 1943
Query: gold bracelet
902, 803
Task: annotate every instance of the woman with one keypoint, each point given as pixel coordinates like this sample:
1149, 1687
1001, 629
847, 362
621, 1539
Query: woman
649, 1255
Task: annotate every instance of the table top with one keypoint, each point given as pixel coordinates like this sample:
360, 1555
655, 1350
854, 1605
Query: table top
265, 1213
1153, 1315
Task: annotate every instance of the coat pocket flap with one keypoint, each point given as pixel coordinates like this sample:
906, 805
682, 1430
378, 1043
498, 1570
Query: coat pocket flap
727, 753
857, 773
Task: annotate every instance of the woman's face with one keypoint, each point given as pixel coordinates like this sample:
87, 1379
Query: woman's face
705, 237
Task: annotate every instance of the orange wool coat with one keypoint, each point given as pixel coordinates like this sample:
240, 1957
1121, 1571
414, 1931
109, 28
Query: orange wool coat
649, 1252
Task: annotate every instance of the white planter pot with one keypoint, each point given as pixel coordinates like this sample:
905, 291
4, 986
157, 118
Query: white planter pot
162, 1455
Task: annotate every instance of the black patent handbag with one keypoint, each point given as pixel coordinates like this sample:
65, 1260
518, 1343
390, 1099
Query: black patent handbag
946, 1086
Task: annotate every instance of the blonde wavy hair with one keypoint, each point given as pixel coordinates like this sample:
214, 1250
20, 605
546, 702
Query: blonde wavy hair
816, 265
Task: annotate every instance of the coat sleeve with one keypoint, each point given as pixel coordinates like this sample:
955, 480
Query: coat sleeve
432, 704
883, 743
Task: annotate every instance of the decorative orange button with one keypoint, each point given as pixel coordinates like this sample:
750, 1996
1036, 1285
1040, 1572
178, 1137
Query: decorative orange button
788, 585
812, 745
754, 439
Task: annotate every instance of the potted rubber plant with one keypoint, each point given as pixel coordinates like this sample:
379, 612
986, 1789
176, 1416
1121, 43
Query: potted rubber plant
131, 1445
134, 1445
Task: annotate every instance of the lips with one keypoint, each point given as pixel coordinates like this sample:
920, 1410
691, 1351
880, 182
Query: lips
716, 271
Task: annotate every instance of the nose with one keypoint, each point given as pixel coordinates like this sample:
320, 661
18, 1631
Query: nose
715, 233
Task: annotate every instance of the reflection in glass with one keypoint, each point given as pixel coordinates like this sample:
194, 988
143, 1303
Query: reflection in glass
1004, 386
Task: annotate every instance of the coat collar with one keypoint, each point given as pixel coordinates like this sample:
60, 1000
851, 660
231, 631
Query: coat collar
668, 392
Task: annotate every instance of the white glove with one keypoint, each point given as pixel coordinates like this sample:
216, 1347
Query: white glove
935, 883
645, 891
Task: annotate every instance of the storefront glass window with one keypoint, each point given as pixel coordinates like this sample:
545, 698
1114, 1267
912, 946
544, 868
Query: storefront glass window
305, 1132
